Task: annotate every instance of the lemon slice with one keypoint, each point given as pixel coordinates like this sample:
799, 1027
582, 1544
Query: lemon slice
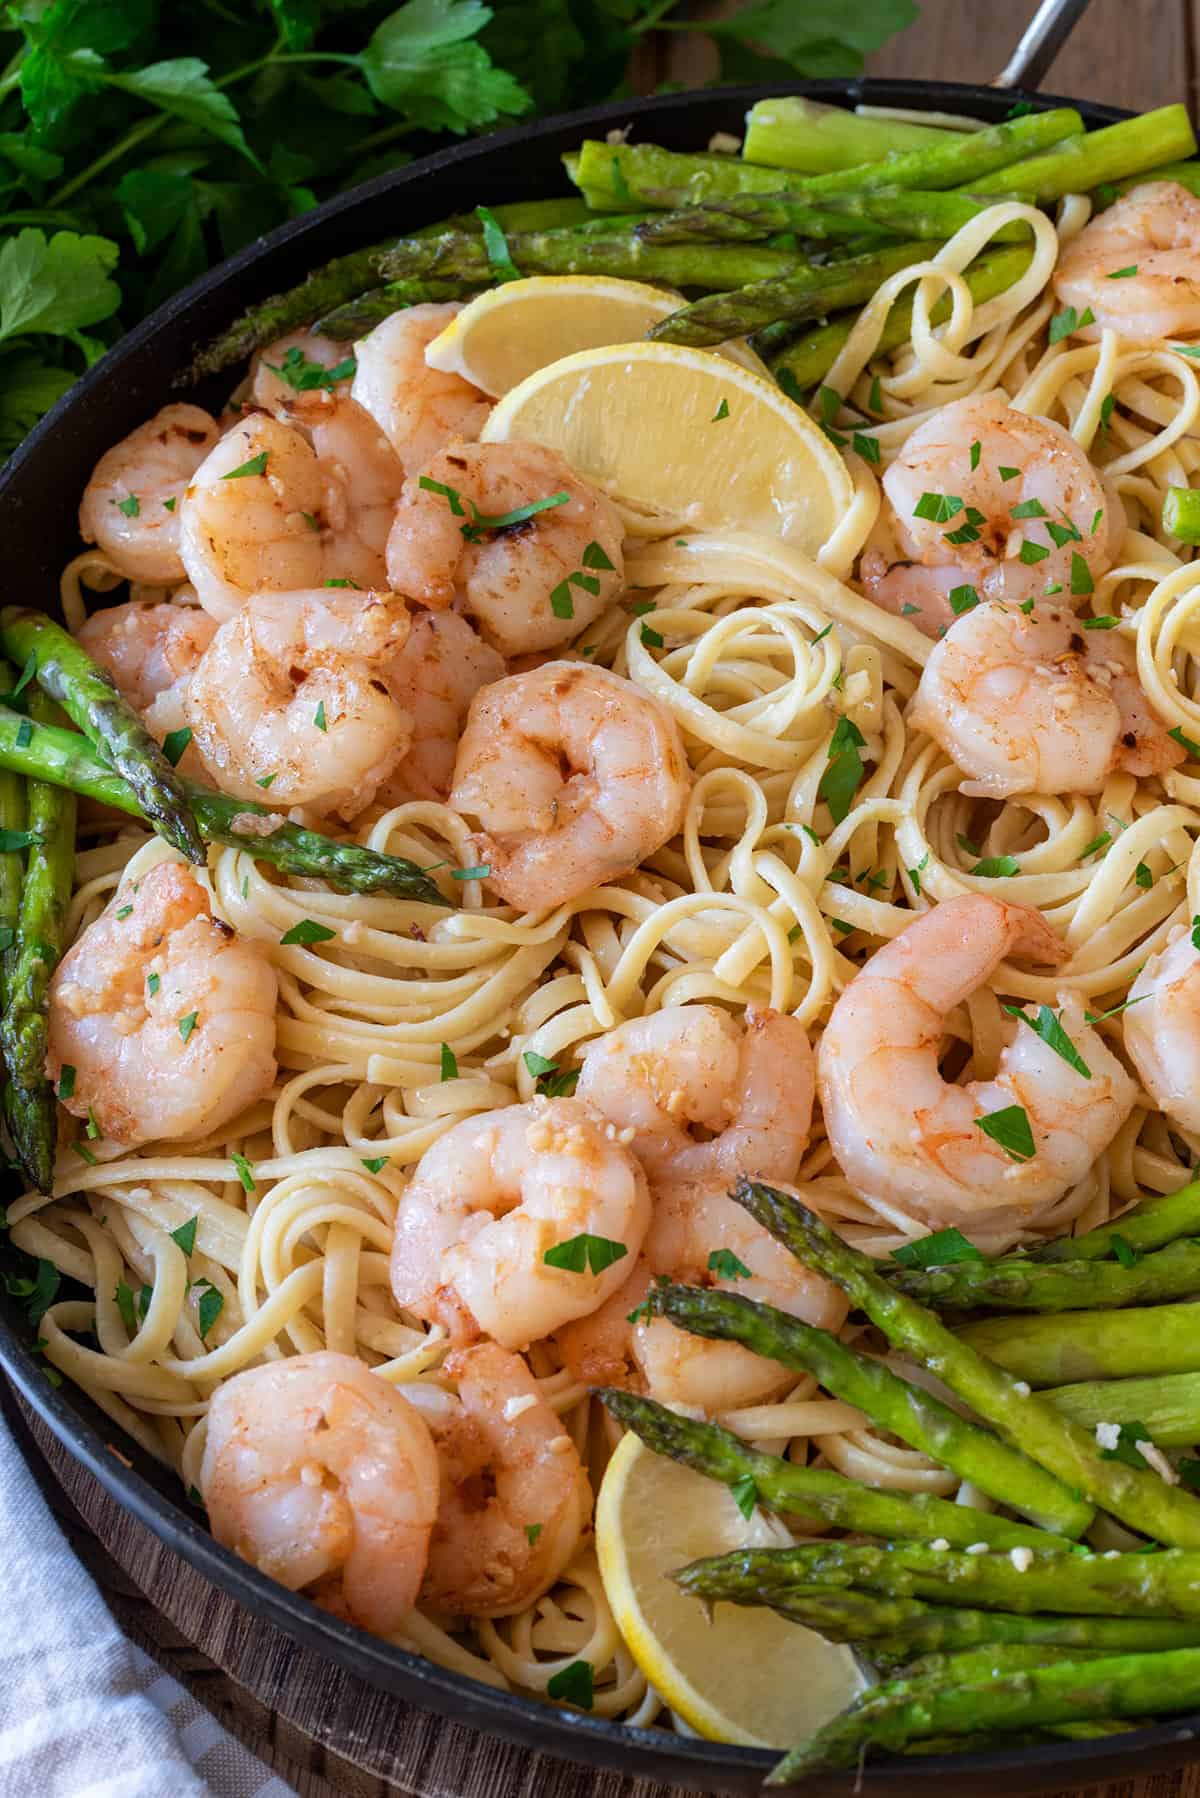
511, 331
749, 1676
671, 430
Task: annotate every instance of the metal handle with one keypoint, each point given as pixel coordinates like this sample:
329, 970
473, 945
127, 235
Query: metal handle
1041, 41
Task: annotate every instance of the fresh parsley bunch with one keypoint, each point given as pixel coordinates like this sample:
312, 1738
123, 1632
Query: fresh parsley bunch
140, 142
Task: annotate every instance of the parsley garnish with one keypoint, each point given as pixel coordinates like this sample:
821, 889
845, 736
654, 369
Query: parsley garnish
256, 465
721, 412
578, 1253
66, 1082
374, 1163
1048, 1026
24, 734
1188, 743
175, 742
480, 873
844, 769
1031, 553
942, 1249
303, 375
745, 1494
308, 931
1097, 843
209, 1307
319, 716
1121, 274
938, 508
449, 1063
1063, 323
914, 874
997, 867
1010, 1128
130, 505
185, 1236
561, 603
1082, 583
188, 1024
976, 451
963, 599
1127, 1449
574, 1685
594, 557
867, 447
651, 638
1007, 474
245, 1172
1029, 508
1125, 1253
726, 1265
152, 983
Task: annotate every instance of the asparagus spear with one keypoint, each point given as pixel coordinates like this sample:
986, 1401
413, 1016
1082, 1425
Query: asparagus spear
791, 132
1114, 152
902, 212
616, 176
620, 252
814, 1491
1181, 514
1018, 1284
1090, 1345
805, 362
29, 1106
1135, 1495
361, 314
908, 1412
64, 758
1059, 1579
948, 1704
895, 1631
88, 694
1165, 1406
1148, 1226
1187, 174
807, 290
337, 282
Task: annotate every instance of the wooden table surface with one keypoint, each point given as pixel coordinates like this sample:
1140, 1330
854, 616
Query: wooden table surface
318, 1728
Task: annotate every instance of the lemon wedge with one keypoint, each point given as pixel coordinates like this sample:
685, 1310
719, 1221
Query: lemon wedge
749, 1676
684, 434
511, 331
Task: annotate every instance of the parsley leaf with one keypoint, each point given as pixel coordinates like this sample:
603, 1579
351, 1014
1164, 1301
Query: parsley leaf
421, 62
726, 1265
844, 769
1010, 1128
1048, 1026
185, 1236
308, 931
941, 1249
745, 1494
574, 1685
175, 742
578, 1253
449, 1063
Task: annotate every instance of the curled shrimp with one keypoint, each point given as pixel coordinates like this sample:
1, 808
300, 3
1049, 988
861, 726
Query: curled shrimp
1162, 1029
165, 1014
968, 469
291, 698
575, 776
701, 1236
1032, 703
530, 585
748, 1089
435, 677
515, 1499
131, 504
279, 508
324, 1477
300, 362
419, 408
1136, 267
489, 1199
904, 1135
151, 652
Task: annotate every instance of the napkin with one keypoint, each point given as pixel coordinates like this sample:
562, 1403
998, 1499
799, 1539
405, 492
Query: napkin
83, 1712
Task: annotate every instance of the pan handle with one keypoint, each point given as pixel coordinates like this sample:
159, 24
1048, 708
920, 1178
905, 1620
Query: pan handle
1041, 41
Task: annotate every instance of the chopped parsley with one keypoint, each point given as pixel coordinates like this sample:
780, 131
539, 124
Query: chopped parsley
532, 1532
1124, 1251
175, 742
495, 244
561, 603
131, 506
1032, 553
721, 412
594, 557
938, 508
844, 770
449, 1063
745, 1494
651, 638
1188, 743
1048, 1026
302, 374
726, 1265
976, 451
374, 1163
997, 867
1063, 323
185, 1236
1096, 844
942, 1249
245, 1172
256, 465
209, 1306
66, 1082
867, 447
963, 599
1007, 474
308, 931
188, 1024
480, 873
578, 1253
1029, 508
914, 874
153, 982
574, 1685
1010, 1128
319, 716
1122, 274
1081, 584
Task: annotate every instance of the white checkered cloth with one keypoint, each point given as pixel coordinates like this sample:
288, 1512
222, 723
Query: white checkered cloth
83, 1713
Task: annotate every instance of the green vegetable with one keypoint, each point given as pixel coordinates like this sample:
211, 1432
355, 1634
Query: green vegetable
88, 694
791, 132
899, 212
64, 758
1015, 1283
1090, 1345
1148, 1226
460, 256
782, 1486
1166, 1406
1181, 514
1138, 1498
29, 1104
1078, 164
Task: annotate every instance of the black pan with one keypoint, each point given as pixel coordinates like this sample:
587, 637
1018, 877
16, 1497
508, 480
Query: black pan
39, 493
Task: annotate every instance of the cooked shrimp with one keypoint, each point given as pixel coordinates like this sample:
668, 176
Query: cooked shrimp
301, 362
690, 1228
575, 775
131, 504
1031, 703
515, 1499
1162, 1029
291, 696
489, 1199
1151, 239
321, 1475
598, 1348
435, 677
151, 652
420, 408
749, 1089
984, 461
166, 1016
902, 1134
276, 508
530, 585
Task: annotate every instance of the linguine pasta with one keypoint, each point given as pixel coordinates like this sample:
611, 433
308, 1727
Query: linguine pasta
762, 898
